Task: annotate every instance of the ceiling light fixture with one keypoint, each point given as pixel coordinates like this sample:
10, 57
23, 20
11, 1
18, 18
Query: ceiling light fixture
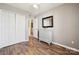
35, 6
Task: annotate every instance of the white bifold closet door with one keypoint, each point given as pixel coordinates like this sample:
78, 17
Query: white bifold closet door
12, 28
7, 28
0, 29
20, 28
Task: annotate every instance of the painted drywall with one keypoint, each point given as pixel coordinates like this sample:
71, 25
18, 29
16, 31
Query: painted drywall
66, 24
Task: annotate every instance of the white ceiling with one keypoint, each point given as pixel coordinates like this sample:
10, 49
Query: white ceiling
29, 7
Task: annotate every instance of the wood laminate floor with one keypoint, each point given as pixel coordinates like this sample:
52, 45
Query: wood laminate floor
34, 47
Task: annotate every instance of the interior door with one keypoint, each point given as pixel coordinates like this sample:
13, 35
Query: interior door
11, 28
20, 27
4, 28
35, 28
7, 28
0, 29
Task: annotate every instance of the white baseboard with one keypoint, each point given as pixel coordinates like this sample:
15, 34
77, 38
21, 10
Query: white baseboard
66, 46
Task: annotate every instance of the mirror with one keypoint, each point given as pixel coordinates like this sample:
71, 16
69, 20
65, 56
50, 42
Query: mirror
47, 22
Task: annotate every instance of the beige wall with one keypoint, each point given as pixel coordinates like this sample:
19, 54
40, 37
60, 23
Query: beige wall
66, 24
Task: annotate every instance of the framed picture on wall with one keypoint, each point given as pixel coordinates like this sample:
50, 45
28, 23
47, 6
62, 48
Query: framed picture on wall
47, 22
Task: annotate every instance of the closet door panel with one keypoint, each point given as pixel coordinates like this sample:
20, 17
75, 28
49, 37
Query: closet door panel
11, 28
7, 28
26, 28
20, 27
0, 30
4, 28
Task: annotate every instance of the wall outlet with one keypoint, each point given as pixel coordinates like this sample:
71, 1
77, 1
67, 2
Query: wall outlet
72, 42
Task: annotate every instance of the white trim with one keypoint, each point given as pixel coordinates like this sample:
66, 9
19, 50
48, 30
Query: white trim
66, 46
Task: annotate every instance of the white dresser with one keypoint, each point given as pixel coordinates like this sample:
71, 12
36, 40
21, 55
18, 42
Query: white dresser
46, 35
